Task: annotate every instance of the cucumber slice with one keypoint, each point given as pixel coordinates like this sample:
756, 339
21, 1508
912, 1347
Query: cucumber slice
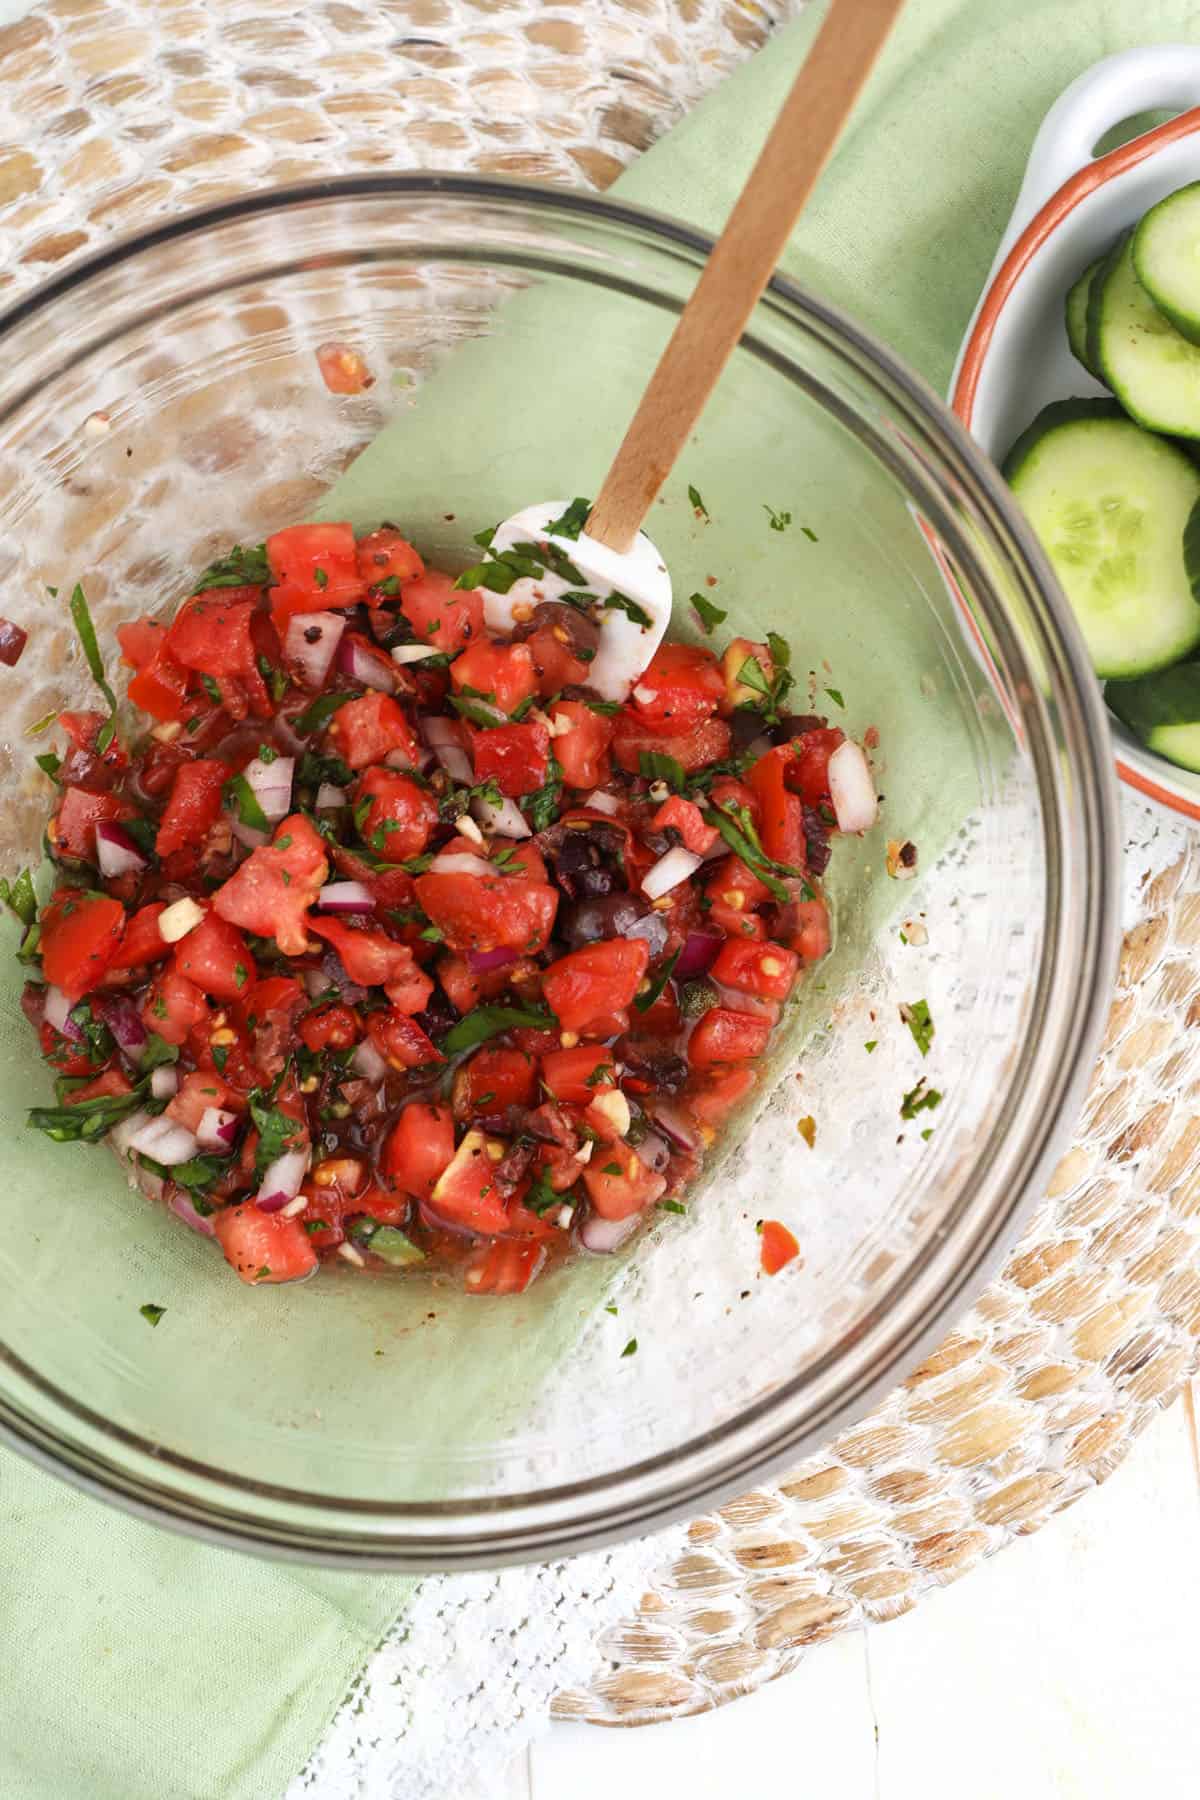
1076, 316
1153, 371
1163, 710
1111, 505
1166, 258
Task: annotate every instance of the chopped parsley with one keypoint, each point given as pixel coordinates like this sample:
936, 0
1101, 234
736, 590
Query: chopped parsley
86, 631
541, 808
835, 694
871, 1044
151, 1313
242, 567
919, 1021
320, 712
630, 1348
19, 897
779, 521
810, 534
697, 506
240, 798
485, 1022
571, 521
672, 1206
617, 602
643, 1002
276, 1131
921, 1098
656, 766
709, 615
737, 828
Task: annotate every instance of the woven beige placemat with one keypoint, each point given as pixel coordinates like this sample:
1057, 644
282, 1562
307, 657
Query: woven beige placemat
112, 114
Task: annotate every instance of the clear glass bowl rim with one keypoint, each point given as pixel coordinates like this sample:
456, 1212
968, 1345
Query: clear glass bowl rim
1074, 993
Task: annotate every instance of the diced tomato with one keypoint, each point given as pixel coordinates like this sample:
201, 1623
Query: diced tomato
685, 818
418, 1148
321, 1220
538, 1043
400, 1040
739, 651
466, 1193
391, 887
398, 815
143, 942
373, 959
728, 791
276, 995
385, 1205
213, 634
805, 925
723, 1036
618, 1182
385, 555
555, 663
781, 814
524, 856
173, 1007
577, 1076
313, 567
81, 933
441, 614
692, 750
493, 1079
105, 1087
217, 958
583, 750
778, 1247
720, 1093
271, 892
159, 685
64, 1054
486, 913
682, 687
141, 640
73, 831
767, 970
663, 1018
82, 729
515, 757
193, 806
263, 1247
369, 729
198, 1091
736, 886
506, 1267
503, 672
330, 1027
464, 989
600, 978
809, 773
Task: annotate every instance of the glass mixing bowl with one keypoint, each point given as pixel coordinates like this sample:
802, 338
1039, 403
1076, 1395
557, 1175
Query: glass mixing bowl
162, 399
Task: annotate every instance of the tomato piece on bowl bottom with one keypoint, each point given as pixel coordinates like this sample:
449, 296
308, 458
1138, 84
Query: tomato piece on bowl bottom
217, 958
600, 978
466, 1192
723, 1036
778, 1248
576, 1076
419, 1148
263, 1247
80, 936
493, 1080
764, 969
618, 1182
193, 806
506, 1267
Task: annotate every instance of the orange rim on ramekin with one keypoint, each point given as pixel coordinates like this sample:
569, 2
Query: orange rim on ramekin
1035, 234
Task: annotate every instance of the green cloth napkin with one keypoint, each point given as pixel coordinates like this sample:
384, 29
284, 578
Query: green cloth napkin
142, 1666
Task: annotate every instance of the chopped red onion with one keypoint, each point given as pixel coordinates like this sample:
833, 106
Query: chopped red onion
760, 747
602, 802
316, 982
311, 643
183, 1209
217, 1128
669, 871
125, 1022
480, 962
603, 1236
369, 1063
362, 663
164, 1082
676, 1124
164, 1140
335, 976
122, 1134
654, 1151
246, 834
442, 737
505, 820
116, 852
736, 1001
328, 795
346, 897
58, 1014
698, 954
459, 862
282, 1181
271, 785
851, 788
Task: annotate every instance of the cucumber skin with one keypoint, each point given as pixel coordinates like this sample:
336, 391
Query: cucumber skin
1075, 317
1156, 703
1177, 433
1107, 265
1186, 324
1051, 418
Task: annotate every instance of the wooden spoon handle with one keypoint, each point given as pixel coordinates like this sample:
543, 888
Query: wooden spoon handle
741, 264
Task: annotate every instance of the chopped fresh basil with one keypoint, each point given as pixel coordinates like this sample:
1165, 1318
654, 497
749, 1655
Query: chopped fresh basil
610, 1308
47, 719
709, 614
458, 801
698, 504
220, 1056
95, 1032
320, 712
151, 1313
240, 798
541, 808
90, 1119
673, 1206
737, 828
276, 1131
921, 1098
571, 521
321, 578
656, 766
19, 897
870, 1045
479, 712
920, 1022
241, 567
201, 1172
489, 1021
779, 521
540, 1197
49, 763
82, 619
780, 649
616, 602
810, 534
835, 695
606, 708
630, 1348
157, 1053
644, 1002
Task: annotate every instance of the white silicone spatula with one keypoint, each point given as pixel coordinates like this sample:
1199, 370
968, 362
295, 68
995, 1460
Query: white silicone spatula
612, 554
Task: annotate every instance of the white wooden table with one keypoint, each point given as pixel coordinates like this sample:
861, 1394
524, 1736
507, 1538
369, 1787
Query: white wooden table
1066, 1666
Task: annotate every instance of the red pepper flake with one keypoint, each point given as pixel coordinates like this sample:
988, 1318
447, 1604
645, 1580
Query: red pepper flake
343, 370
779, 1247
12, 642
